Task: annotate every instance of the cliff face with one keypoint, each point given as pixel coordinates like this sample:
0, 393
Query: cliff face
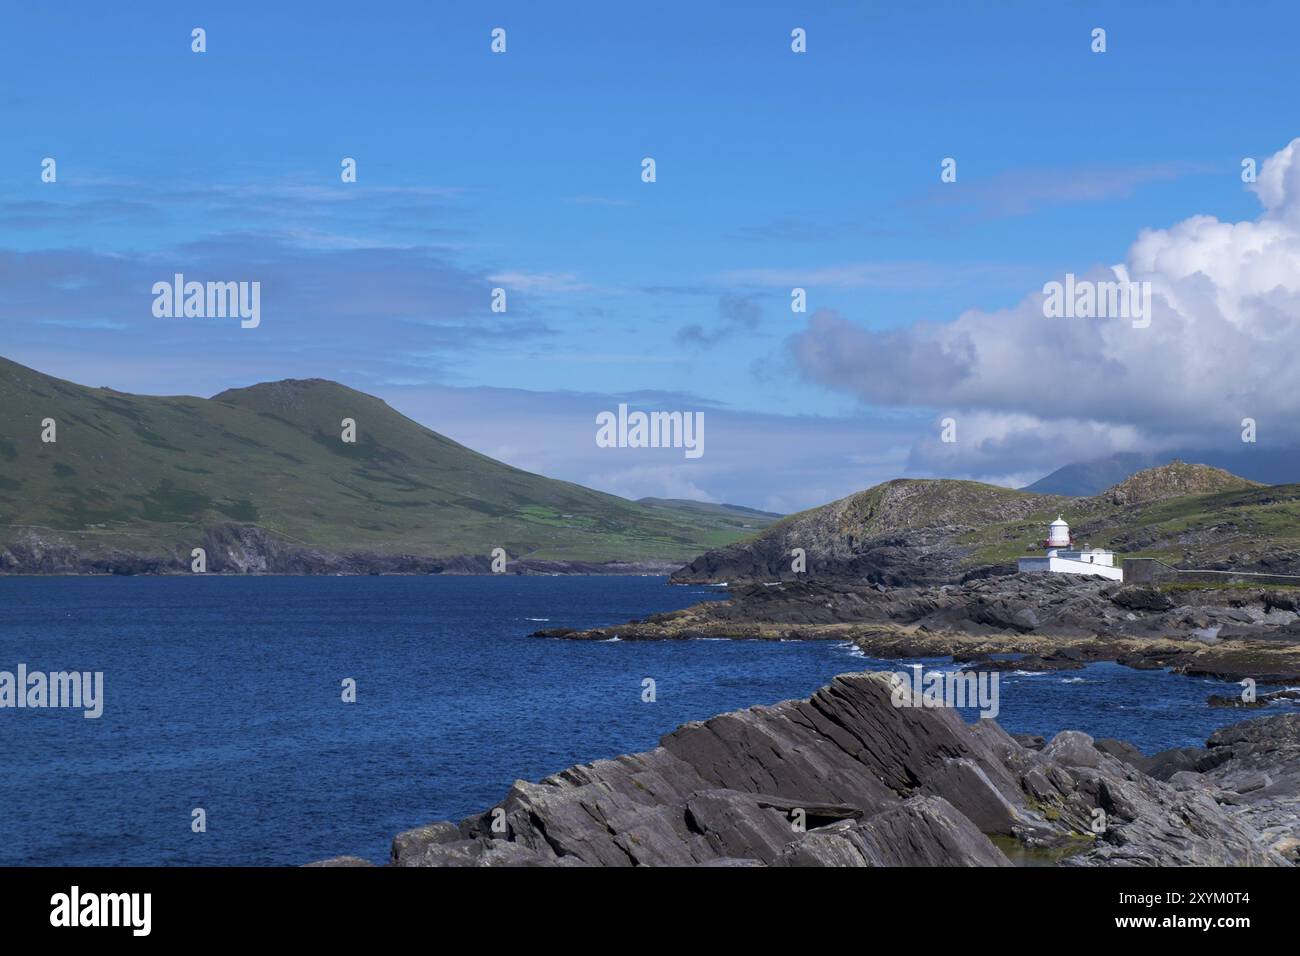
846, 778
909, 532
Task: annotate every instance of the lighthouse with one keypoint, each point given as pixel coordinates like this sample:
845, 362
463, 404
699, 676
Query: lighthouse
1062, 559
1058, 534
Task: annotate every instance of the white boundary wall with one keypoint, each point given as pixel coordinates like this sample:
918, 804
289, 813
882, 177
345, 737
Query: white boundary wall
1059, 565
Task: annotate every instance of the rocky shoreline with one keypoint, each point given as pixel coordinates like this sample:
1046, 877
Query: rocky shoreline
242, 549
1047, 622
847, 778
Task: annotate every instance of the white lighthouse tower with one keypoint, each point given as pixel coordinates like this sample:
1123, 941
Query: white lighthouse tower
1062, 560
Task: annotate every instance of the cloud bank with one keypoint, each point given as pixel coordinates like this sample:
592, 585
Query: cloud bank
1030, 393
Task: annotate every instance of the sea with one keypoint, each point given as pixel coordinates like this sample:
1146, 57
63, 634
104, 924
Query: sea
281, 720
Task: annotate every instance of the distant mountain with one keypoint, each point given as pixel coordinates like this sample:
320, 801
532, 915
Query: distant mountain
738, 517
262, 479
931, 531
1270, 466
1091, 477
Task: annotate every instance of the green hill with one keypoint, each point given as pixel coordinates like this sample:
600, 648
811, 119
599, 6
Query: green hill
143, 475
922, 531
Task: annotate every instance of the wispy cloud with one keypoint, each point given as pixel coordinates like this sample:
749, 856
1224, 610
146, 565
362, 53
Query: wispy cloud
540, 282
45, 214
900, 274
394, 311
1022, 192
737, 314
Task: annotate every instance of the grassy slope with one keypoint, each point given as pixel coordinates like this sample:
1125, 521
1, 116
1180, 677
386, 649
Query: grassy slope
1196, 527
903, 504
1181, 513
907, 503
141, 472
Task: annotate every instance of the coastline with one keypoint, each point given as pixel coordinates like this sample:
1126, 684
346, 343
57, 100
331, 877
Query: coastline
1047, 622
308, 564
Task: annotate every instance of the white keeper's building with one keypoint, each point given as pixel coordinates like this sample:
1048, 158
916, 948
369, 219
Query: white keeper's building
1061, 559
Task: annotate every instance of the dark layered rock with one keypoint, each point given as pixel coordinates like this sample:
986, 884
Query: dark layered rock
1260, 700
1043, 621
1141, 599
1257, 772
848, 778
924, 556
1251, 768
923, 831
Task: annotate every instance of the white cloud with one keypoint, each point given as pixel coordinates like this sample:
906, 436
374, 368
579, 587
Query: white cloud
1221, 346
543, 282
648, 481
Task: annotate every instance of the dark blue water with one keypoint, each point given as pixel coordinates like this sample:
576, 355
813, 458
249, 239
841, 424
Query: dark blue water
225, 694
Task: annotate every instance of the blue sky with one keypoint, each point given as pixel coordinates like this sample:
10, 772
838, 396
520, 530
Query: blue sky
522, 170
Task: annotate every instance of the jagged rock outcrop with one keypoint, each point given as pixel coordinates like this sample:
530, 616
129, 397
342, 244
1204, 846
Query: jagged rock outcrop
1175, 480
847, 778
1252, 767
